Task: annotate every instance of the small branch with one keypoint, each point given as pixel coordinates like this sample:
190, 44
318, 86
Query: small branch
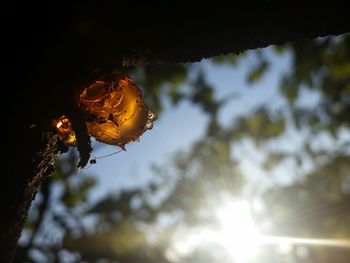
82, 136
45, 190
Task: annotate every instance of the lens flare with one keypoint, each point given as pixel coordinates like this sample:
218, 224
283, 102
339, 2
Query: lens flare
238, 235
237, 232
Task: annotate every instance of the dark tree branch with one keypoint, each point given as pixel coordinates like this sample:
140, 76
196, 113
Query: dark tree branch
22, 185
42, 208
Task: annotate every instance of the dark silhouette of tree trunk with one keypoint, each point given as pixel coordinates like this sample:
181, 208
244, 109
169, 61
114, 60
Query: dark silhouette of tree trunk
51, 51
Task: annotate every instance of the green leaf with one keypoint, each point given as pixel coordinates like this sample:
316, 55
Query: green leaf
258, 72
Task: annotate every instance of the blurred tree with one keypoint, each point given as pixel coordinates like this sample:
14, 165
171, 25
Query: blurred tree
315, 206
57, 213
318, 206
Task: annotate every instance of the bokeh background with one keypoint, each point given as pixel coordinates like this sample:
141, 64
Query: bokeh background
249, 161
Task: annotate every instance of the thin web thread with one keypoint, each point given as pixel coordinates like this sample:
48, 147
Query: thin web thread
93, 161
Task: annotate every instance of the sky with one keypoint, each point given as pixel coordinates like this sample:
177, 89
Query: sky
180, 126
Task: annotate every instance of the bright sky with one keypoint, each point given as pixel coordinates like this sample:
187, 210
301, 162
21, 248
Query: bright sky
178, 127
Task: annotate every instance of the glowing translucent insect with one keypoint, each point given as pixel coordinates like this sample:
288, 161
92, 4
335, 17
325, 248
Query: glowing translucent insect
114, 111
65, 131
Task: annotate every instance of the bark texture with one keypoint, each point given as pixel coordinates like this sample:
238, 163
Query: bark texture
52, 51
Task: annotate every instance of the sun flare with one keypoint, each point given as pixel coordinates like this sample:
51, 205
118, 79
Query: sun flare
237, 232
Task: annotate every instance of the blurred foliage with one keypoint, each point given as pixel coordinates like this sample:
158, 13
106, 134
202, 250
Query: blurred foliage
255, 126
259, 70
65, 226
317, 206
230, 59
321, 65
157, 79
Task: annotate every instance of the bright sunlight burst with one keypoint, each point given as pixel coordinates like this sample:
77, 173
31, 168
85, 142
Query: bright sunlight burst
237, 233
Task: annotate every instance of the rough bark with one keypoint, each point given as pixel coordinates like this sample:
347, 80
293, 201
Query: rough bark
49, 54
22, 184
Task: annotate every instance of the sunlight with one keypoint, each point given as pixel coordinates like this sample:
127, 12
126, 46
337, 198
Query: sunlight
237, 232
340, 243
240, 237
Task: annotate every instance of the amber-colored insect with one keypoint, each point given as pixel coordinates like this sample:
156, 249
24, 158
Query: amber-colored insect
114, 112
65, 131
